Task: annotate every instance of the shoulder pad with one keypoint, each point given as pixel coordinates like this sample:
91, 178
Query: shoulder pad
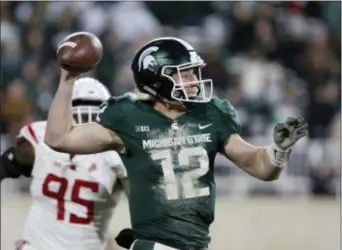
33, 132
224, 106
112, 112
127, 96
111, 100
117, 99
229, 121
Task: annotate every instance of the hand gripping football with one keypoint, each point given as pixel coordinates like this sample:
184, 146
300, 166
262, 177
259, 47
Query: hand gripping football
79, 52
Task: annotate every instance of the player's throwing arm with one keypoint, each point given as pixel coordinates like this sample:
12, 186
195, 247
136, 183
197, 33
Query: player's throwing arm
77, 53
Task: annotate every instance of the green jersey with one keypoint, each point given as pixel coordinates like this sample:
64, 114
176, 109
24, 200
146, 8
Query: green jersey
170, 165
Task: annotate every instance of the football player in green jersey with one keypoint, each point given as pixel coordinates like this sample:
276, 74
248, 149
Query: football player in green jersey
168, 134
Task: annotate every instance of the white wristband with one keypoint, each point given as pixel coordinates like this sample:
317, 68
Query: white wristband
277, 156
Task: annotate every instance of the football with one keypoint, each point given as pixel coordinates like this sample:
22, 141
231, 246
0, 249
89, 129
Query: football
79, 52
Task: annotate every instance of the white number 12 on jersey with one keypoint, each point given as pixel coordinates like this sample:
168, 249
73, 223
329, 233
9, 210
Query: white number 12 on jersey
189, 178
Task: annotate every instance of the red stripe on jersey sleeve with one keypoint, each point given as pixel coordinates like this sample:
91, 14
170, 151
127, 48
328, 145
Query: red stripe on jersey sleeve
31, 131
20, 140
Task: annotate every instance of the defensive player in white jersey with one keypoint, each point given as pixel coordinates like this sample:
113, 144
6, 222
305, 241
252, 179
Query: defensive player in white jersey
73, 195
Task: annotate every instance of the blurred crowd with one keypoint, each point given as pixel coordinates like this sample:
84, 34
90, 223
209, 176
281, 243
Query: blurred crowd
271, 60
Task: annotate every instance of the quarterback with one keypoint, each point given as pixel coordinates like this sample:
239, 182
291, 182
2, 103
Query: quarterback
168, 133
73, 195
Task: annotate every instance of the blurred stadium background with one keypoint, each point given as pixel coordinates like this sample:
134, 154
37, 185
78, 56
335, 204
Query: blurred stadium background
270, 59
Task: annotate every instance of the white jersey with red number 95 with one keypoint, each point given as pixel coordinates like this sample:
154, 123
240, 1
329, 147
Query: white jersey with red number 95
73, 196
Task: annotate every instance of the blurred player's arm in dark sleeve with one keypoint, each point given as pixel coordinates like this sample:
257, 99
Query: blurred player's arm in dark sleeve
62, 136
264, 163
17, 160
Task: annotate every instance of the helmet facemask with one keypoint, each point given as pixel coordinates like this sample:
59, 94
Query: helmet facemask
196, 90
84, 112
83, 115
88, 94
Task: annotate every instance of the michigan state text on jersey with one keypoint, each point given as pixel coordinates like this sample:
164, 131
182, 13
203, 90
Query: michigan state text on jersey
170, 166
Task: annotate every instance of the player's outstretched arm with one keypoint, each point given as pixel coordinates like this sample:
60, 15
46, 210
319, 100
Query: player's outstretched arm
89, 138
266, 163
17, 160
62, 136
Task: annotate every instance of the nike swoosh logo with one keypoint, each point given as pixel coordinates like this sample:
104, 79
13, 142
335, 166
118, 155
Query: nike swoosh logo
205, 126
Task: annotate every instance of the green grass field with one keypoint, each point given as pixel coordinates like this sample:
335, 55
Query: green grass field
253, 224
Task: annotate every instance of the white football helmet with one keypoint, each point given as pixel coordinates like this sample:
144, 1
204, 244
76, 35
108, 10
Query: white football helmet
88, 94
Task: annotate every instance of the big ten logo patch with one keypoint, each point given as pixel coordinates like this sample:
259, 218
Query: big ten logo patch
142, 129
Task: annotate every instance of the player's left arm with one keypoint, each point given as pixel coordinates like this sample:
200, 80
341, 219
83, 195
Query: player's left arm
266, 163
17, 160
